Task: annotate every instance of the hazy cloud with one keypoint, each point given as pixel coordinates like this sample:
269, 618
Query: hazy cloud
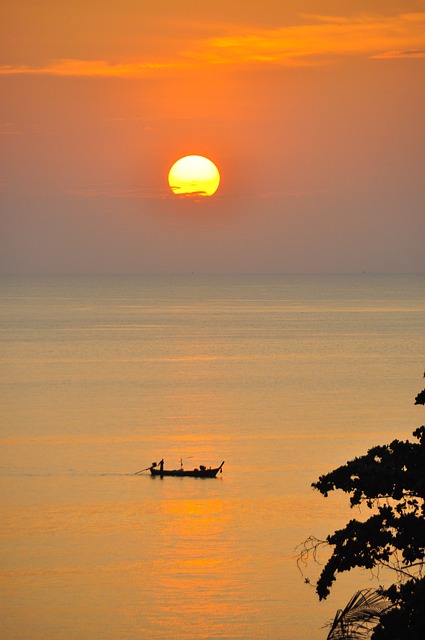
319, 37
401, 54
9, 129
89, 68
322, 36
115, 191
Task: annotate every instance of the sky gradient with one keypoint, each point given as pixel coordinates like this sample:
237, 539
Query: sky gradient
312, 111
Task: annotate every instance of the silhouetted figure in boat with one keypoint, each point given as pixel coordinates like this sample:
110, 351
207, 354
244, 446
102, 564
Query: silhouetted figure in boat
161, 465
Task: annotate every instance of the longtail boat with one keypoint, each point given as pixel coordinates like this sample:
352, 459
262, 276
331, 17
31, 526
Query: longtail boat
202, 472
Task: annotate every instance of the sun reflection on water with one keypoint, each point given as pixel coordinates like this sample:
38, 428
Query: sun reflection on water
198, 569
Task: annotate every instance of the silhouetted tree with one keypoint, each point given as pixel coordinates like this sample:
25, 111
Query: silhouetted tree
390, 481
361, 614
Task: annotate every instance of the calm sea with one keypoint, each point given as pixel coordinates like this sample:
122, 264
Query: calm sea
282, 377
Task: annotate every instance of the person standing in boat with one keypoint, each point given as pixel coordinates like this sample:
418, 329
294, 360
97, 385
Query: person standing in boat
161, 465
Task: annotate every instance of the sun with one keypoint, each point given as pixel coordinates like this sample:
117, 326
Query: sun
194, 176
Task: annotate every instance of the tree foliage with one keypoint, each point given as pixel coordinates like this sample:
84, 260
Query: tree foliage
389, 480
361, 613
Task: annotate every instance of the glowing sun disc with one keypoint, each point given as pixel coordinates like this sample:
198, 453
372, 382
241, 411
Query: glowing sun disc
194, 176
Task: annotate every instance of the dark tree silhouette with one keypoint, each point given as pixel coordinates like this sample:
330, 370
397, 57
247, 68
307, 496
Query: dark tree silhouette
390, 481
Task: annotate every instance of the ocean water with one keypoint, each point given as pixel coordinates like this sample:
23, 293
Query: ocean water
283, 377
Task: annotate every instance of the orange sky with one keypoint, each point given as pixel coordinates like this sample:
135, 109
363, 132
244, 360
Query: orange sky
313, 112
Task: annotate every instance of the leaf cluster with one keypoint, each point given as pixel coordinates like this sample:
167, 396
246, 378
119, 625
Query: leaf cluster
389, 479
360, 614
406, 618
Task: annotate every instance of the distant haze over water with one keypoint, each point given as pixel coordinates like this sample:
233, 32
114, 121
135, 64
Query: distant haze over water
283, 377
